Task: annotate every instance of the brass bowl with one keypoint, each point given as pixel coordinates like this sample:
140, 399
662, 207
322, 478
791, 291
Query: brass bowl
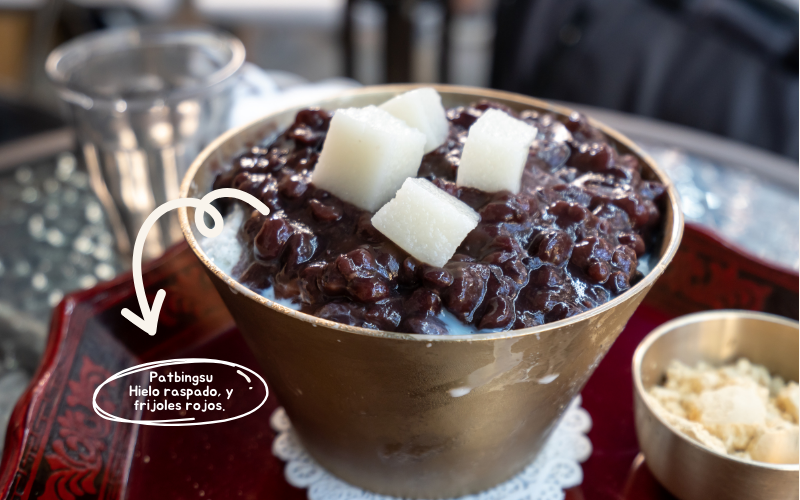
417, 415
688, 469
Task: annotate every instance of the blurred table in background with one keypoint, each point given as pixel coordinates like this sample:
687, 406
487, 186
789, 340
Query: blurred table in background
56, 238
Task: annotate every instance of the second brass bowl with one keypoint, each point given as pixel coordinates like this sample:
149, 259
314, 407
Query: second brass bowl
688, 469
418, 415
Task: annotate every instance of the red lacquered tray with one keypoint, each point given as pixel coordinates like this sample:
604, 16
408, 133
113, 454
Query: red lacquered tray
57, 448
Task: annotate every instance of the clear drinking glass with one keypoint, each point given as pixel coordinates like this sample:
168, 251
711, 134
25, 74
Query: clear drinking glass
144, 102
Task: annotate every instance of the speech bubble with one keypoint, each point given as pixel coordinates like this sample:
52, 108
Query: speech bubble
241, 370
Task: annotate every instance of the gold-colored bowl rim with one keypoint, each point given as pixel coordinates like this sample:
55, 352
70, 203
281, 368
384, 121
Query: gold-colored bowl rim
477, 93
671, 326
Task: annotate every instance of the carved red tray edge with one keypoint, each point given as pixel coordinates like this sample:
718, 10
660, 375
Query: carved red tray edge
19, 421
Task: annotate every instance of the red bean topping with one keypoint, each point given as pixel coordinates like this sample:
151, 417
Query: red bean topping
423, 302
342, 312
624, 259
463, 297
385, 315
499, 315
410, 272
370, 289
554, 247
568, 241
436, 277
271, 239
598, 271
547, 276
618, 282
634, 241
323, 212
425, 325
300, 247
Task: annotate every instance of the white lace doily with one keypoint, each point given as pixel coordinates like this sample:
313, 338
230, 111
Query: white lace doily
556, 468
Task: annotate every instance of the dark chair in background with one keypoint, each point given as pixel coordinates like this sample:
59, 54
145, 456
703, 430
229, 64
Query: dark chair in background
398, 44
725, 66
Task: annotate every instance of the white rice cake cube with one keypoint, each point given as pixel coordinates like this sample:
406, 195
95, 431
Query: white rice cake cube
423, 110
425, 221
495, 153
367, 155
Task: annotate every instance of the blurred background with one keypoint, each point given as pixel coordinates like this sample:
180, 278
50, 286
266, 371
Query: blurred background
729, 67
709, 88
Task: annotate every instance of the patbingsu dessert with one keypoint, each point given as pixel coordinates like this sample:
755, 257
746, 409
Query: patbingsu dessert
408, 217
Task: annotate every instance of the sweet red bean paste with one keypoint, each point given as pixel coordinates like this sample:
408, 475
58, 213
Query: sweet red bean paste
569, 241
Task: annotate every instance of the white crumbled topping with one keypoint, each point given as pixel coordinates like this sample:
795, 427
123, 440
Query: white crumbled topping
738, 409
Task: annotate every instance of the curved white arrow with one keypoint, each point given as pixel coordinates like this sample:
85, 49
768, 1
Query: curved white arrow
149, 319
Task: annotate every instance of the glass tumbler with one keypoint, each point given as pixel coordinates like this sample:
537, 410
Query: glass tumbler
144, 102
